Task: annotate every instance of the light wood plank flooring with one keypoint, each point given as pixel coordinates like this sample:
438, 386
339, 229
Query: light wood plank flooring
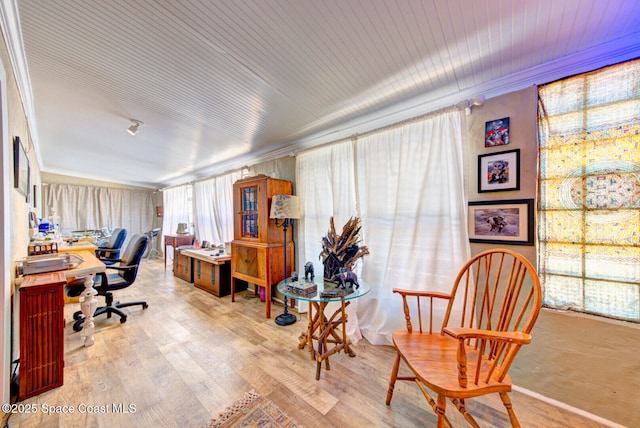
190, 355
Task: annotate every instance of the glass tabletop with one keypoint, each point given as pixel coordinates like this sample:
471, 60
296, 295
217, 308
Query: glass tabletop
321, 291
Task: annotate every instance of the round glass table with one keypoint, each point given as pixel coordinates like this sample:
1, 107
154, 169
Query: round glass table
328, 332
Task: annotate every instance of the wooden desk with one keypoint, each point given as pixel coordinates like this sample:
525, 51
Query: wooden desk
77, 246
88, 302
175, 241
210, 273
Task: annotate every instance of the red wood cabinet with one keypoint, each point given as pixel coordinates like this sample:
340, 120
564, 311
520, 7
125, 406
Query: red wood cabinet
41, 333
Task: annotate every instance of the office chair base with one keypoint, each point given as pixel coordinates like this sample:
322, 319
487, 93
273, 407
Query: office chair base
114, 308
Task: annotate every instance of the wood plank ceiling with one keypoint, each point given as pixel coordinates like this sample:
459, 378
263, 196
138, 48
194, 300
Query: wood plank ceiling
221, 84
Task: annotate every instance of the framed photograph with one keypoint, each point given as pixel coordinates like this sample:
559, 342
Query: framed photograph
499, 171
20, 168
502, 222
496, 132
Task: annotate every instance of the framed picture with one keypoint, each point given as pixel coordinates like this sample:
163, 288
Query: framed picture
499, 171
502, 222
496, 132
20, 168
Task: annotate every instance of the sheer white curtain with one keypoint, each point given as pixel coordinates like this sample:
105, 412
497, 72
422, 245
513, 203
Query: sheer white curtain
325, 184
407, 186
213, 213
84, 207
414, 208
176, 210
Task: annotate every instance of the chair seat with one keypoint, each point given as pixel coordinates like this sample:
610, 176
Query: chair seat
114, 281
432, 358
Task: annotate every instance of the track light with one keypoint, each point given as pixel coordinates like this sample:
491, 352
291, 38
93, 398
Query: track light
133, 129
476, 102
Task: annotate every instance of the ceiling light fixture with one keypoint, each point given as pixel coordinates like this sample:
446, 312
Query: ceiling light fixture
133, 129
476, 102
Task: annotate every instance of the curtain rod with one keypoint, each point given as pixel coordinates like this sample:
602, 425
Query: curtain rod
454, 107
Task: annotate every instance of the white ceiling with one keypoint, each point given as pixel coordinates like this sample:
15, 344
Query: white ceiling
222, 84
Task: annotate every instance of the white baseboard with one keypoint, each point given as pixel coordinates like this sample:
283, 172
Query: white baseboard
567, 407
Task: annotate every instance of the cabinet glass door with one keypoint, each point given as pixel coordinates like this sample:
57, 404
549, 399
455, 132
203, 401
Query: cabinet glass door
249, 213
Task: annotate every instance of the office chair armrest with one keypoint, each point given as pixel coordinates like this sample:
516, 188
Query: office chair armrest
122, 268
107, 250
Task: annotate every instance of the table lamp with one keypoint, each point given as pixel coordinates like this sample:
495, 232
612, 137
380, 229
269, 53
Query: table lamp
285, 208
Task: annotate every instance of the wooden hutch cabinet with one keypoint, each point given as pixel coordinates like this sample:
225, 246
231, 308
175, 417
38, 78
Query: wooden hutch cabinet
257, 251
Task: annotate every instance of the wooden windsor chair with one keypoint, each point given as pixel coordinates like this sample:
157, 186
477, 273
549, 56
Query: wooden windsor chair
494, 303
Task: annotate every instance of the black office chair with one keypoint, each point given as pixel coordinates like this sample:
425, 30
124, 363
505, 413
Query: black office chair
109, 252
105, 282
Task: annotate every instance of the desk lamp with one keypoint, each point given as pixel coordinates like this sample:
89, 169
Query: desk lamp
286, 208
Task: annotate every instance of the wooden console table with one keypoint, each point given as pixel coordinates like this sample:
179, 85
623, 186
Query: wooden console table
175, 241
210, 273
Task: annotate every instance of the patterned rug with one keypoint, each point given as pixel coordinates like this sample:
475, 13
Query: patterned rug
253, 410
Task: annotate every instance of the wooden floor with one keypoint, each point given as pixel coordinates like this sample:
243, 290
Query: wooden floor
190, 355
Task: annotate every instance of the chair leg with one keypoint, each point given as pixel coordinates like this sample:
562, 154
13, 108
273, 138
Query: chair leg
394, 376
507, 404
440, 411
459, 403
126, 304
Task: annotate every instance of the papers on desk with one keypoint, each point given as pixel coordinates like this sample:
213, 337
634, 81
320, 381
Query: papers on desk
48, 263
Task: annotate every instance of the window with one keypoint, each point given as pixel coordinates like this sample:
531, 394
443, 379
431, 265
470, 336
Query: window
589, 219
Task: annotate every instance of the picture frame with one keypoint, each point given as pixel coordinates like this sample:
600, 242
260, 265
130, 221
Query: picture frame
499, 171
502, 222
496, 132
21, 168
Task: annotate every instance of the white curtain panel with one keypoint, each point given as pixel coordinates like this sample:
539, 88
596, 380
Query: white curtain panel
176, 210
84, 207
213, 202
414, 207
325, 183
407, 186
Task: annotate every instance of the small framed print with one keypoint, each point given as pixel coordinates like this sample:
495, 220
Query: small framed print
502, 222
496, 132
20, 168
499, 171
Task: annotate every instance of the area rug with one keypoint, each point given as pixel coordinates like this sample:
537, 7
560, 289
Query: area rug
253, 410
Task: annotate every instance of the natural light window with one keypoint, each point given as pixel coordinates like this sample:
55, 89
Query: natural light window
589, 223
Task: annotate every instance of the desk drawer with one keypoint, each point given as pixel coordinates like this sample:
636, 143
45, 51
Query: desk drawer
213, 278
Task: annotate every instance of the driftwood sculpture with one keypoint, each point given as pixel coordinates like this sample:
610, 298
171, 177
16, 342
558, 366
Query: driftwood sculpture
342, 251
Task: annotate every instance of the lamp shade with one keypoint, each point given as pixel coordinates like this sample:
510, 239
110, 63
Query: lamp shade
182, 229
285, 206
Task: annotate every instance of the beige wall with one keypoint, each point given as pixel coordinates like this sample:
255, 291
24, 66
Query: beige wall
15, 209
49, 178
587, 362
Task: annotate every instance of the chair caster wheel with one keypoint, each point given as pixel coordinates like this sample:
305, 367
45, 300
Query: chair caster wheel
123, 320
77, 315
77, 327
145, 306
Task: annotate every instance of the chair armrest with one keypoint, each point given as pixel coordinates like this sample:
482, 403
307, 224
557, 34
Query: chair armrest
463, 333
418, 294
107, 250
498, 353
122, 268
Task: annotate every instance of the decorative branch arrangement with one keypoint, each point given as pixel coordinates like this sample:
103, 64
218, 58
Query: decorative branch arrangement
342, 251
